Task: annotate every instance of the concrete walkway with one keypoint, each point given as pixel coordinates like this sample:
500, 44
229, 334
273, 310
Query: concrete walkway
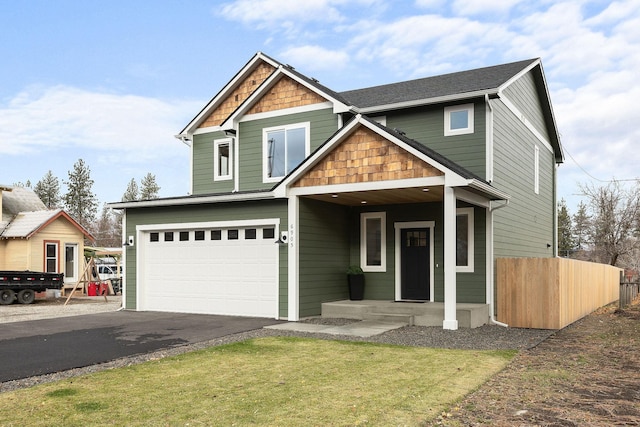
364, 328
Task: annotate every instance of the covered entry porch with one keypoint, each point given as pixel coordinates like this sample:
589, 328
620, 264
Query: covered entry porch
469, 315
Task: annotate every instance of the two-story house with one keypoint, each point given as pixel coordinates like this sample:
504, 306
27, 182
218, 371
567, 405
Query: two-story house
422, 183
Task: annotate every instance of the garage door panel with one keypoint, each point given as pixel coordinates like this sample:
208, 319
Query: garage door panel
231, 277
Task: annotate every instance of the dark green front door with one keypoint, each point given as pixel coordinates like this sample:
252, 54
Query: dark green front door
414, 264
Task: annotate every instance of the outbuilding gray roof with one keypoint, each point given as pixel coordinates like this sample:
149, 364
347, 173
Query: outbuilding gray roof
480, 79
26, 223
20, 199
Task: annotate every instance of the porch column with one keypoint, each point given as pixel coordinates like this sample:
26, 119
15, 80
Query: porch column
450, 319
293, 306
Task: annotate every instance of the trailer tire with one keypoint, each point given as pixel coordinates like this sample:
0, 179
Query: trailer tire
7, 296
26, 296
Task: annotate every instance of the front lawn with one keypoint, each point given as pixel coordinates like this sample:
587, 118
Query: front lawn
266, 381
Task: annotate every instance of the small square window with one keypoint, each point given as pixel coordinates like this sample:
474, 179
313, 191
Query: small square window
184, 236
198, 235
268, 233
232, 234
168, 236
250, 234
154, 237
216, 234
458, 120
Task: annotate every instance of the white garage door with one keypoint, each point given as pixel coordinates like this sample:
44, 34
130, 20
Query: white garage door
229, 271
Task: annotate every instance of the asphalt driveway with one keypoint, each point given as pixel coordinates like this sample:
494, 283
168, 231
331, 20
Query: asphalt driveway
41, 347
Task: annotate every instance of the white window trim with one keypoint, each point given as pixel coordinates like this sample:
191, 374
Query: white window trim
470, 233
216, 165
536, 169
265, 147
383, 242
447, 120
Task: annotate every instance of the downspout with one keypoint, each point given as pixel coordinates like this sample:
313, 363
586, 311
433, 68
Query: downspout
492, 316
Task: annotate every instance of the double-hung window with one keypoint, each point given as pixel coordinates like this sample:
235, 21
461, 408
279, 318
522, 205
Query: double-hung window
464, 240
51, 257
458, 120
284, 148
222, 158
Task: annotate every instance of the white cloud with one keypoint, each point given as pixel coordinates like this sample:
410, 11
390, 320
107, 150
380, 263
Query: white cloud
313, 58
280, 12
475, 7
61, 116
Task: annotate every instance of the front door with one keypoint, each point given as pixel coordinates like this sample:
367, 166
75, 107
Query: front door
415, 263
70, 263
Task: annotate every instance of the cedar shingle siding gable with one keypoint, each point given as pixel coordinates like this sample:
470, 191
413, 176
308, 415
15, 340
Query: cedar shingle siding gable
239, 95
366, 156
286, 93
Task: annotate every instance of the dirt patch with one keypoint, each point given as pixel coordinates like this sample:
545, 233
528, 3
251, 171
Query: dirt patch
587, 374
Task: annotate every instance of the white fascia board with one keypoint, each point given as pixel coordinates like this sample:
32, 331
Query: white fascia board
517, 76
208, 129
432, 181
472, 198
180, 201
286, 111
486, 188
516, 112
192, 125
427, 101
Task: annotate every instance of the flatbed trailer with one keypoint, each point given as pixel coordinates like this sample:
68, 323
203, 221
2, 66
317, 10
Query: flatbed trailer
22, 286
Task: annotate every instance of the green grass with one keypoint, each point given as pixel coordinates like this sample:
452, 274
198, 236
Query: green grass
268, 381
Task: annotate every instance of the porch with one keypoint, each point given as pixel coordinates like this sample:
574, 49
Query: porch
411, 313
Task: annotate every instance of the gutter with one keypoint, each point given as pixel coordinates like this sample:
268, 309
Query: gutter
194, 200
492, 316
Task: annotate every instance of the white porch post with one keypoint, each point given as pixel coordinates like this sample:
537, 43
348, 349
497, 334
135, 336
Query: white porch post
293, 310
450, 319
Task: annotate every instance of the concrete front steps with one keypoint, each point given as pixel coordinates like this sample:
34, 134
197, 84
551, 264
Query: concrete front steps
409, 313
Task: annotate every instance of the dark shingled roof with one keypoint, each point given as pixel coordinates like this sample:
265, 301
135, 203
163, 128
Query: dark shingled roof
480, 79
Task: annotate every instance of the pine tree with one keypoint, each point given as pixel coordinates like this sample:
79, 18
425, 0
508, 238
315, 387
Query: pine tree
80, 201
150, 188
581, 227
48, 190
131, 193
566, 244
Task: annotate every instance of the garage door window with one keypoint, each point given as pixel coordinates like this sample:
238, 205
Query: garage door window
154, 237
168, 236
184, 236
250, 234
232, 234
268, 233
198, 235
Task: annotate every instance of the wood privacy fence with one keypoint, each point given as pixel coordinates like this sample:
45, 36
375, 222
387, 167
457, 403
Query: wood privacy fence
551, 293
628, 292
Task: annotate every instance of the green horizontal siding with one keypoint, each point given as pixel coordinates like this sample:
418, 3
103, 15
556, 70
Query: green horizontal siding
526, 225
524, 94
426, 125
323, 254
203, 160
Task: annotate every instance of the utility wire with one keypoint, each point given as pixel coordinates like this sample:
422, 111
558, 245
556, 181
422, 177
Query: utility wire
593, 177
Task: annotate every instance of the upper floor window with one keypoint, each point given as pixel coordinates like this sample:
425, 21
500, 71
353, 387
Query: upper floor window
222, 159
458, 120
536, 169
284, 148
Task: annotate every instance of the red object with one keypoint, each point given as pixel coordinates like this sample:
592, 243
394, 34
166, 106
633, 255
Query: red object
92, 290
103, 289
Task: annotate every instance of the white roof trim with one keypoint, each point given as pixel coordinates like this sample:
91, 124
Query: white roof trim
193, 124
197, 200
427, 101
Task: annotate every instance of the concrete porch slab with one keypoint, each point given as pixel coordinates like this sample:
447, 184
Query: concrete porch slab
365, 328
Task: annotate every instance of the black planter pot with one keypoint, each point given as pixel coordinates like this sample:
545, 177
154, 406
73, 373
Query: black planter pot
356, 286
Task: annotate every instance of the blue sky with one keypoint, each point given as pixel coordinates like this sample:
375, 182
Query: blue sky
112, 82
